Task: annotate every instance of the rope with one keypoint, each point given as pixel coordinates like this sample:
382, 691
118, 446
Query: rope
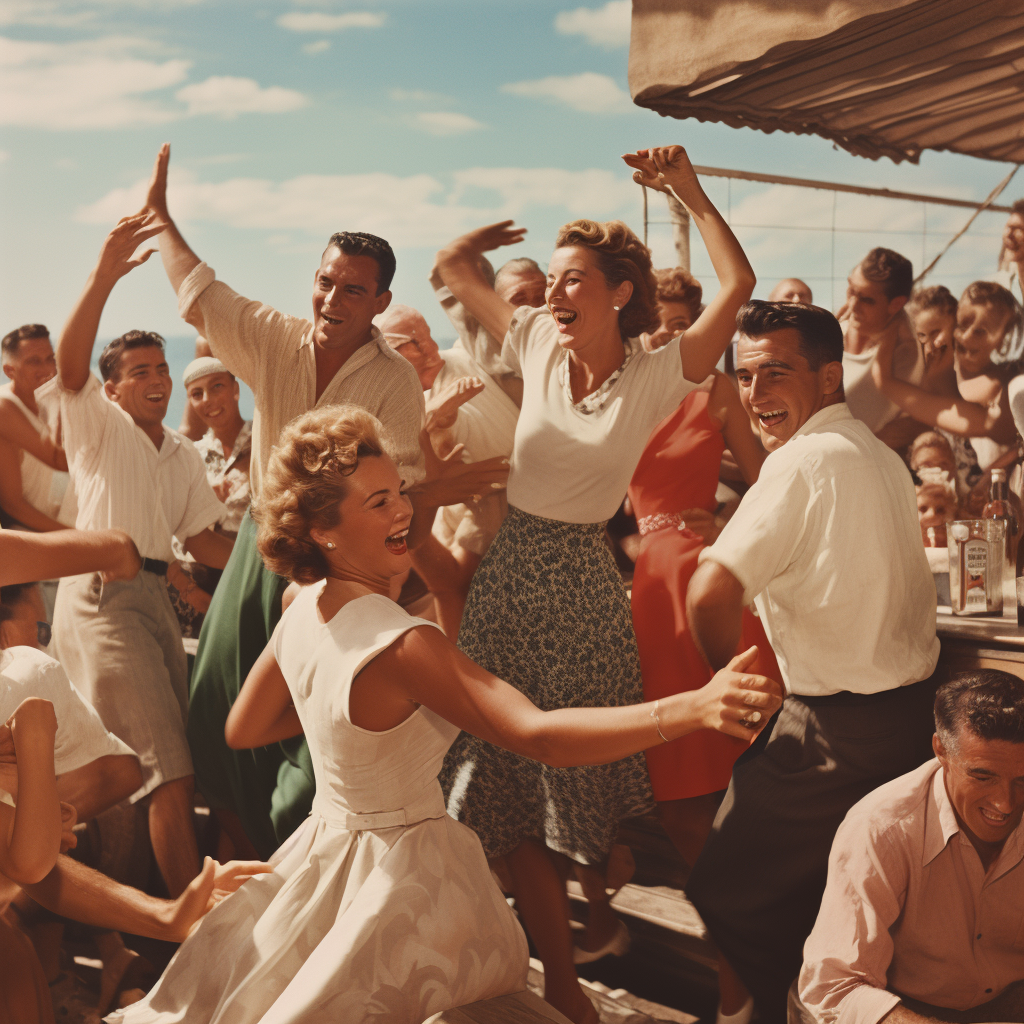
992, 197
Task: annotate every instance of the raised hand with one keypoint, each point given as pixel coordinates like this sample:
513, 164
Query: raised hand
450, 481
737, 702
492, 236
444, 407
117, 255
662, 166
156, 196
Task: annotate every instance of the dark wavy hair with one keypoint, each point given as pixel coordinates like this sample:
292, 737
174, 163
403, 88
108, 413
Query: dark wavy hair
620, 256
821, 337
110, 357
988, 702
362, 243
895, 273
678, 285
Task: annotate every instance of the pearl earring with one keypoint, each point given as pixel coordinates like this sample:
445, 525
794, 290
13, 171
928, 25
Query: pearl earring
330, 545
616, 308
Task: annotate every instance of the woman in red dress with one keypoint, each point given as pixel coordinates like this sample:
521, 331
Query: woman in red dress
673, 497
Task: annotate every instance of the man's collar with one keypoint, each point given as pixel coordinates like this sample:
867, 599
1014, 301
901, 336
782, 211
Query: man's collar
824, 418
941, 824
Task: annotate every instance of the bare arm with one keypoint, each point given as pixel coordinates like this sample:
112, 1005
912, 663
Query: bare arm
702, 345
458, 265
904, 1015
423, 667
714, 610
17, 431
74, 350
954, 414
32, 831
84, 894
447, 574
12, 500
178, 259
212, 549
263, 712
27, 557
100, 784
725, 407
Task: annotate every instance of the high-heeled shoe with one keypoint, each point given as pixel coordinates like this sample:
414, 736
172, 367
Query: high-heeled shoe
615, 946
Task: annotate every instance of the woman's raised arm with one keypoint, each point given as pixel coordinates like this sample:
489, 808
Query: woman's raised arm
668, 169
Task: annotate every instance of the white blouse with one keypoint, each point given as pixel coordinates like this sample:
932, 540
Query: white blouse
573, 462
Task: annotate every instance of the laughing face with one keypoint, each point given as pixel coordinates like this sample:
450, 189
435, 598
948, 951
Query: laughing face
580, 299
985, 785
214, 399
142, 386
778, 388
980, 329
345, 299
374, 517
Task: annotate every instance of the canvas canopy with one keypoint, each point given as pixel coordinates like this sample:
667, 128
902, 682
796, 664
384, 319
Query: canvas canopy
878, 77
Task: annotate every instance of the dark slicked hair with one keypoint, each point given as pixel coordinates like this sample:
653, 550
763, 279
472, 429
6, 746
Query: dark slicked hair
938, 296
821, 337
110, 357
9, 346
362, 243
895, 273
988, 702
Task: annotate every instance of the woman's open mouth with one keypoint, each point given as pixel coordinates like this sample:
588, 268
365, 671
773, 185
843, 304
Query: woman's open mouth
396, 542
563, 317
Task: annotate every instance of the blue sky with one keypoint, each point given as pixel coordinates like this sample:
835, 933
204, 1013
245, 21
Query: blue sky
416, 119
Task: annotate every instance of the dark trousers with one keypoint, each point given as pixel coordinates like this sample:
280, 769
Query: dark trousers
759, 880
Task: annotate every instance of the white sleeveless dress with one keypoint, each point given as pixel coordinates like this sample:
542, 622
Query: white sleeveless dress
381, 908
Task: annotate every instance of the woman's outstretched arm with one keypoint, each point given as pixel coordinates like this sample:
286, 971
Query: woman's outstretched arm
668, 169
423, 667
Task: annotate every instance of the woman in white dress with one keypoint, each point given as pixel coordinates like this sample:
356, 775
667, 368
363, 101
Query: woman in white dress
381, 907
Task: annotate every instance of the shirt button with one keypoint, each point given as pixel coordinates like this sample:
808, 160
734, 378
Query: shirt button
978, 936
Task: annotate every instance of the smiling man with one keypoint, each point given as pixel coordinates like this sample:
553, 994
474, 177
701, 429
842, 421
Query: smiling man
292, 365
921, 918
826, 544
120, 642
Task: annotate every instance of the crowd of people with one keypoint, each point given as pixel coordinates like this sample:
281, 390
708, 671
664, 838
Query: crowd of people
457, 614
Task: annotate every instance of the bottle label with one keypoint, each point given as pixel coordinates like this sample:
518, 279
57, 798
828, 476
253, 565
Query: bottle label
976, 565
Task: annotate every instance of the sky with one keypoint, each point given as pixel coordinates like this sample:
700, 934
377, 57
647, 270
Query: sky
414, 119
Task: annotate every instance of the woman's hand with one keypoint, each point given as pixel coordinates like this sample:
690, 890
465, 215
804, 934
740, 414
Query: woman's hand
701, 523
487, 238
443, 409
662, 166
739, 703
450, 481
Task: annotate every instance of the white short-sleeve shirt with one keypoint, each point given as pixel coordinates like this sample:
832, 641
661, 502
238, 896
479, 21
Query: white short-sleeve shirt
828, 546
122, 481
573, 462
81, 737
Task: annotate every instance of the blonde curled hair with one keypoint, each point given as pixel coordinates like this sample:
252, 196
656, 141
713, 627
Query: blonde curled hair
620, 256
305, 483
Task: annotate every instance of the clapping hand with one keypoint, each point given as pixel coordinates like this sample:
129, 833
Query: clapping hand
444, 407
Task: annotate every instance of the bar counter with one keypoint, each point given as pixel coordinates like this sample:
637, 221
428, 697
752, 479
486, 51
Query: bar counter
970, 642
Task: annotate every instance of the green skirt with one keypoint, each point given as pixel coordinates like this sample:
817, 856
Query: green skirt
269, 788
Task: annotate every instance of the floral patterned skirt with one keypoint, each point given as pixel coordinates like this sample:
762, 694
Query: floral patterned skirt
548, 613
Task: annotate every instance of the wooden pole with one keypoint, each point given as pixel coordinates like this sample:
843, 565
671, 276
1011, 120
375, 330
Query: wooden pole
680, 230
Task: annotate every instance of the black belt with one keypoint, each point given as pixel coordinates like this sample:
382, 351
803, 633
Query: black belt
154, 565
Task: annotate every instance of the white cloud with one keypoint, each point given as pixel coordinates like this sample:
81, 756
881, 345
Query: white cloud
588, 92
102, 83
116, 82
606, 26
315, 21
71, 13
413, 211
320, 46
228, 97
446, 122
417, 96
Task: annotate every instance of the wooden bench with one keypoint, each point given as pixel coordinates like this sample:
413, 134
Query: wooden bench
519, 1008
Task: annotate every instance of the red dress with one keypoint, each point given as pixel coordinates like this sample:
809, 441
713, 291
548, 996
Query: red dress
679, 470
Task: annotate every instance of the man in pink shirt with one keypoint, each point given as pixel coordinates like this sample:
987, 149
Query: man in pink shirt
923, 913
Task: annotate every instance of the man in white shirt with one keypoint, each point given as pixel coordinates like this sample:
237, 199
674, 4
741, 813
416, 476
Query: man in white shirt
292, 365
923, 910
877, 290
121, 642
827, 546
32, 483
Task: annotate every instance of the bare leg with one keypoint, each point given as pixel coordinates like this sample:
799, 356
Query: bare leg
544, 907
688, 824
173, 834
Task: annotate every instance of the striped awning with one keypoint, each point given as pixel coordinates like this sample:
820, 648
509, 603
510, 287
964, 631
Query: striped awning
878, 77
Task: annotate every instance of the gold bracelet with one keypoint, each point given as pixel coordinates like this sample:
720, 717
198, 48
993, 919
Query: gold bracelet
657, 721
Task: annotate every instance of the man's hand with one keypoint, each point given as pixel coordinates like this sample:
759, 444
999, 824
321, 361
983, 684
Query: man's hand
116, 255
662, 166
738, 703
701, 523
206, 890
443, 408
68, 820
492, 236
156, 196
124, 561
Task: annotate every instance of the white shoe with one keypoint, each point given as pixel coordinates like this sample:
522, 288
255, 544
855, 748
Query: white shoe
741, 1016
615, 946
